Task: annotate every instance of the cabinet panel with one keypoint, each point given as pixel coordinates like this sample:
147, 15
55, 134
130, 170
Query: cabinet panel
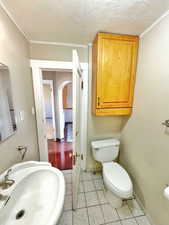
114, 68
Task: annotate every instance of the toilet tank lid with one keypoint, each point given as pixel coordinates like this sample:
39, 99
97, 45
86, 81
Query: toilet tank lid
105, 143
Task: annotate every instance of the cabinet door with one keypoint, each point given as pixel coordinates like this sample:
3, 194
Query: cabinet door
116, 70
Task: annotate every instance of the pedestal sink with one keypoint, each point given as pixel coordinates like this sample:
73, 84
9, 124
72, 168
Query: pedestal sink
36, 197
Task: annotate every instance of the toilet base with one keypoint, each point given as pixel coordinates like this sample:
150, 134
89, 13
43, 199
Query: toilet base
114, 201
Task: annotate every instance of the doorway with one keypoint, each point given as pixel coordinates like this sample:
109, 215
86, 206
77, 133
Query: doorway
80, 112
57, 94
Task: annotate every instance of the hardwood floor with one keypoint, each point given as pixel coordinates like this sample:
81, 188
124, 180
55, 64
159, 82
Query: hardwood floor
60, 154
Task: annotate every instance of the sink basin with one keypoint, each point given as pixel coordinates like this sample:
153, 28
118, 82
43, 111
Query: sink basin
37, 197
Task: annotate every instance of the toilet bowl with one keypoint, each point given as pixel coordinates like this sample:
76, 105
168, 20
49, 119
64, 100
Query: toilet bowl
116, 179
118, 182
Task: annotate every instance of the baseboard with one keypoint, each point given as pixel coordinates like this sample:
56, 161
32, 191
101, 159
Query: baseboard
60, 139
68, 123
144, 210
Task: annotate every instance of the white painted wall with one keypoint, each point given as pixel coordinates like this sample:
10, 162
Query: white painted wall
57, 53
68, 115
59, 79
98, 127
145, 141
14, 52
47, 100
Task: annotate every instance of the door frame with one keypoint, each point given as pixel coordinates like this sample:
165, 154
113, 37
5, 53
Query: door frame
37, 67
50, 83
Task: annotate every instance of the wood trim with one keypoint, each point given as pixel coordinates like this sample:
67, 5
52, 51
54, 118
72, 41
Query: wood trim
65, 97
113, 112
117, 36
37, 67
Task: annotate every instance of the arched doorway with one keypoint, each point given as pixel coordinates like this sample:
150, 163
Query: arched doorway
64, 112
60, 150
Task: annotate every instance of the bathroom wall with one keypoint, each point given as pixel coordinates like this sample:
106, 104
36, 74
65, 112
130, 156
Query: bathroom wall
14, 52
145, 141
58, 53
99, 127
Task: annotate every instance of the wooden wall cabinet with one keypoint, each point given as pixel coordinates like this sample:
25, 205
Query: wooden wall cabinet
114, 69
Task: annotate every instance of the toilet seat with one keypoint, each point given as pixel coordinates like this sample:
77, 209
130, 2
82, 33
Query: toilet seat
117, 180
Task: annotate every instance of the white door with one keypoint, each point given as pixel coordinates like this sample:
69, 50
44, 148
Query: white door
77, 99
40, 113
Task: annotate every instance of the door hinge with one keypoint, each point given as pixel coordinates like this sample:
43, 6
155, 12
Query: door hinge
82, 85
98, 101
79, 155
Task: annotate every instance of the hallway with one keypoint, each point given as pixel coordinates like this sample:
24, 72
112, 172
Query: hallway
60, 154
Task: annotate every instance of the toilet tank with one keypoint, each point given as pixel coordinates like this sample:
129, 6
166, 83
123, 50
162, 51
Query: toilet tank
105, 150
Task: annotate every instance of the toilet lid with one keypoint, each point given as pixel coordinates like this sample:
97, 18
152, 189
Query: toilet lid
118, 177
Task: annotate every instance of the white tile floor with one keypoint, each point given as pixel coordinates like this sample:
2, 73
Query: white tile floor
93, 207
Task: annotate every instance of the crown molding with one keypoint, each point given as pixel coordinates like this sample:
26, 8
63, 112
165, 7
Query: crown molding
12, 19
155, 24
58, 44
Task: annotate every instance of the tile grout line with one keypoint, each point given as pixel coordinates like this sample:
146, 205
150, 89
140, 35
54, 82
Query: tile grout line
133, 214
99, 204
86, 207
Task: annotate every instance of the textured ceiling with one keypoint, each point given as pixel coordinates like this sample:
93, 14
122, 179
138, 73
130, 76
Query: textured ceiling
77, 21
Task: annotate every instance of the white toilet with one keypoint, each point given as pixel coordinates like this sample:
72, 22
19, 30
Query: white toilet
116, 178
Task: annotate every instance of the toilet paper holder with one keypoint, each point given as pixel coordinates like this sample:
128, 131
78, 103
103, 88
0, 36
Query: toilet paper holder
166, 123
166, 192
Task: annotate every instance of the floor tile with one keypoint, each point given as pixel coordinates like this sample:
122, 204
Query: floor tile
101, 197
110, 214
88, 186
114, 223
66, 171
91, 198
99, 184
68, 177
66, 218
129, 222
80, 217
124, 212
95, 215
68, 202
81, 187
97, 175
135, 208
86, 176
142, 220
68, 189
81, 201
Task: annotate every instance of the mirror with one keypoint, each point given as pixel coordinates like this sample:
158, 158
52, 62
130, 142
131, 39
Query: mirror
7, 113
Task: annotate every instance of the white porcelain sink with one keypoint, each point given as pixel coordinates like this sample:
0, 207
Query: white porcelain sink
36, 198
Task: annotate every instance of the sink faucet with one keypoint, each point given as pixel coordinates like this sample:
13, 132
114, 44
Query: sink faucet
6, 183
